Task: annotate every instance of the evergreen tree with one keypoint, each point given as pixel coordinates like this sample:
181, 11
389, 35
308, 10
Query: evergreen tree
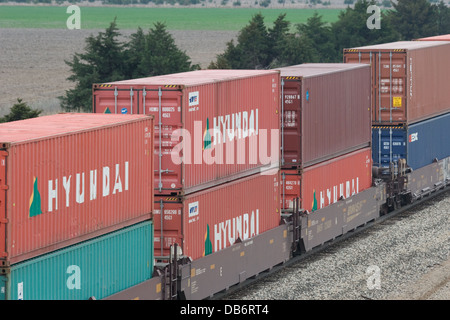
161, 55
351, 29
441, 18
253, 45
20, 111
413, 19
297, 49
134, 53
102, 62
106, 60
320, 36
257, 47
278, 37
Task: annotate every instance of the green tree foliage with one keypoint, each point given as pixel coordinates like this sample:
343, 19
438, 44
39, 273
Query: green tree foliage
259, 47
351, 29
442, 18
103, 61
20, 111
106, 59
253, 48
318, 41
297, 49
319, 35
413, 18
155, 53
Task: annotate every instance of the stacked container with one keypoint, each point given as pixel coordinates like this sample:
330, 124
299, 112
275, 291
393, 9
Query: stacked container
89, 184
409, 97
325, 133
443, 37
216, 141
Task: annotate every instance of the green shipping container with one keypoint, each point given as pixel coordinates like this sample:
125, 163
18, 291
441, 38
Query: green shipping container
95, 268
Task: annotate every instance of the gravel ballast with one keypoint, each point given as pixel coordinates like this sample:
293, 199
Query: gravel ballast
404, 257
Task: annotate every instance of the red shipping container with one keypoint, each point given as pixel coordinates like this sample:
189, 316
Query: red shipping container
208, 108
326, 109
66, 178
210, 220
320, 185
409, 79
444, 37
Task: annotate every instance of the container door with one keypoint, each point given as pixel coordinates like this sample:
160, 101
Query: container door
291, 123
165, 105
169, 211
389, 144
3, 218
428, 140
388, 83
113, 99
391, 83
291, 188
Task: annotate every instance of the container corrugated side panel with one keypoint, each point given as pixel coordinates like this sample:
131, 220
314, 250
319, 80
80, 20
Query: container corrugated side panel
215, 218
336, 116
324, 183
72, 187
210, 220
223, 96
253, 100
326, 111
409, 79
419, 143
96, 268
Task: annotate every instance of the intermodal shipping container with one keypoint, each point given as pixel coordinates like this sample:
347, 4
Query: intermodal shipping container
95, 268
69, 177
444, 37
325, 183
226, 118
410, 79
326, 109
210, 220
420, 143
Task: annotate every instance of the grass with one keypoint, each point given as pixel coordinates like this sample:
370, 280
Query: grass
55, 17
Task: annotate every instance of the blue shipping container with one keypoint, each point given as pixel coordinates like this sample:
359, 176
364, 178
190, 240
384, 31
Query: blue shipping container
97, 268
419, 143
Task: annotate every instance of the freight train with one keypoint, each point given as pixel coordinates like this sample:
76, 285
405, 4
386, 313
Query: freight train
208, 178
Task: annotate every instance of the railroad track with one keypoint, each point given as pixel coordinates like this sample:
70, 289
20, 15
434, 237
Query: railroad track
328, 249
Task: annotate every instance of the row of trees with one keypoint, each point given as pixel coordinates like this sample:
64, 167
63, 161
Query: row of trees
257, 46
107, 59
317, 41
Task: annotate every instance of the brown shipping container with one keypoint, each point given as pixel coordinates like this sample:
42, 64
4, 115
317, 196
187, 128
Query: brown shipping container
320, 185
66, 178
226, 118
326, 110
410, 79
210, 220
